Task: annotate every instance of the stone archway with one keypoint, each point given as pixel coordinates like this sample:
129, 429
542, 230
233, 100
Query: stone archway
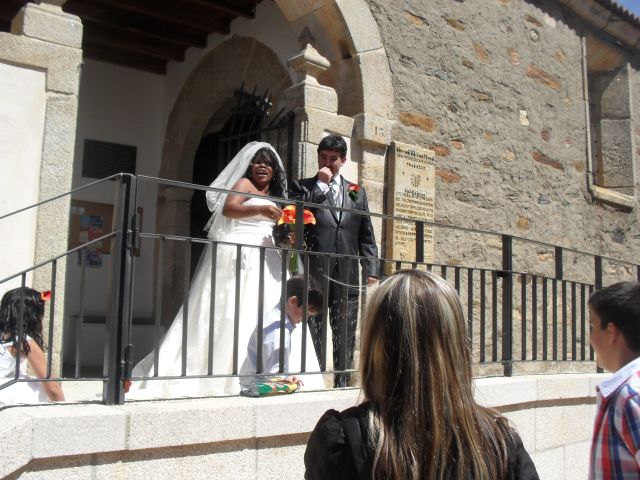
209, 86
348, 35
207, 90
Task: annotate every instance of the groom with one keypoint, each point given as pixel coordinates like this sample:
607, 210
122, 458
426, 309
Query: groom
338, 232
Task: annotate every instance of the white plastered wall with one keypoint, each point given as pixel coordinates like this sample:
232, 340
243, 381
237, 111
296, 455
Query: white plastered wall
123, 106
22, 111
47, 41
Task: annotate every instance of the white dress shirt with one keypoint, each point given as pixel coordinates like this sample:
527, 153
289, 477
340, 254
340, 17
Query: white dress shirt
337, 190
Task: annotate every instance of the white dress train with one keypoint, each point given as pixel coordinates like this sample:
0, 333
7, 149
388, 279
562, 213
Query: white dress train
255, 231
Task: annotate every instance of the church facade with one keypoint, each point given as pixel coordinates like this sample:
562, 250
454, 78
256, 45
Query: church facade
526, 112
530, 110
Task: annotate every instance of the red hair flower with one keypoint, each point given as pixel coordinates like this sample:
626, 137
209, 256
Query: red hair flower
45, 296
353, 192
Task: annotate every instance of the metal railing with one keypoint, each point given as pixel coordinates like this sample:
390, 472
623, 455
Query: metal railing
53, 370
532, 313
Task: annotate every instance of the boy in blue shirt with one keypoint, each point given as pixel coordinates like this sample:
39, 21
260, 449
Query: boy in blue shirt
271, 347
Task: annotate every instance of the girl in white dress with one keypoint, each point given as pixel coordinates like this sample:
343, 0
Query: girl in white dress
29, 304
237, 219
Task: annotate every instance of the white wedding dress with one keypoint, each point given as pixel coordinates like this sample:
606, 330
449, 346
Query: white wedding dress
256, 231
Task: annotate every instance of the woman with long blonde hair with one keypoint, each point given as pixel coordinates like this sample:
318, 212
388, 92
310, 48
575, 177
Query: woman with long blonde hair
419, 419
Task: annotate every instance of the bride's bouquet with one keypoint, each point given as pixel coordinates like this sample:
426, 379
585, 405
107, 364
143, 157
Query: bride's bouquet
284, 232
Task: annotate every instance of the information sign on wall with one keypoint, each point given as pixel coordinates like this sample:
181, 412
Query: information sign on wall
411, 195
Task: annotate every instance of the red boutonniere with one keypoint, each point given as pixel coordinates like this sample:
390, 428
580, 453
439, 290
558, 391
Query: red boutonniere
45, 296
353, 192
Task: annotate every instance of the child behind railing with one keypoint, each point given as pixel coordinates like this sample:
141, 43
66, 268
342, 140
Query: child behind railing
267, 383
29, 303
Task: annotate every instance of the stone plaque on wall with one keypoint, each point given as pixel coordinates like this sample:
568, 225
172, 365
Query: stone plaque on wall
411, 195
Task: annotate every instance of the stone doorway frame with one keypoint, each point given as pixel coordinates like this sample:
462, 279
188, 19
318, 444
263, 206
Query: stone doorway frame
202, 97
346, 34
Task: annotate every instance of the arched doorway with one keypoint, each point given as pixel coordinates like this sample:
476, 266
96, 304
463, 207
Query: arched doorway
348, 36
251, 119
203, 107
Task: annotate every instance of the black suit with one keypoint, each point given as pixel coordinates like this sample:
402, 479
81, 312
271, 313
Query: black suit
342, 233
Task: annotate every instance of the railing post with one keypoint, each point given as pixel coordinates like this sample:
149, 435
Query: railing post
299, 233
559, 263
299, 226
118, 307
560, 276
598, 285
419, 242
598, 272
507, 299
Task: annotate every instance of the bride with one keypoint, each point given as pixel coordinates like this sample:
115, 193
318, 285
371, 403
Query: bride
236, 220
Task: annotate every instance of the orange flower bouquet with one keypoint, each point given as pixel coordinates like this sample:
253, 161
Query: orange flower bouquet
284, 231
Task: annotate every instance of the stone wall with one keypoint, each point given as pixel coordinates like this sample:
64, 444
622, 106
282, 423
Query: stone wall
497, 92
244, 438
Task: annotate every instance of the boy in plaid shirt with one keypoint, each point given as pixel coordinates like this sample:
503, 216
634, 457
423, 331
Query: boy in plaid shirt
615, 336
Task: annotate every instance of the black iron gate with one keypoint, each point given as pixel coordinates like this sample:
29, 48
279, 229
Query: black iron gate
250, 121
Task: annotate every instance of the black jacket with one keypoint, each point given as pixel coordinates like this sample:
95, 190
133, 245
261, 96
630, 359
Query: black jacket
339, 448
347, 233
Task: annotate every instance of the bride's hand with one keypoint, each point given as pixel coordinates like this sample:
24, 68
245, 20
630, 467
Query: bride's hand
271, 212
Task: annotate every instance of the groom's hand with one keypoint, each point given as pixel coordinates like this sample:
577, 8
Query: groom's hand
325, 175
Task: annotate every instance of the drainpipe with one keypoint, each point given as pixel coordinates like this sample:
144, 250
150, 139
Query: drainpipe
589, 170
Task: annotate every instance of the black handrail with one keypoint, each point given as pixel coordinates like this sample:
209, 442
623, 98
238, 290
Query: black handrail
70, 192
491, 290
382, 216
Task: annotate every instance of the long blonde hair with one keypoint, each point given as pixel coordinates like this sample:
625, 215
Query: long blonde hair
416, 374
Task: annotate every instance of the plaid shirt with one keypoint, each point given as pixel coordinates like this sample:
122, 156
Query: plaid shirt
615, 448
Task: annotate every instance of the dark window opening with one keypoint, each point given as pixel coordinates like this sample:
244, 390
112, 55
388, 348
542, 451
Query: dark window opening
610, 116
